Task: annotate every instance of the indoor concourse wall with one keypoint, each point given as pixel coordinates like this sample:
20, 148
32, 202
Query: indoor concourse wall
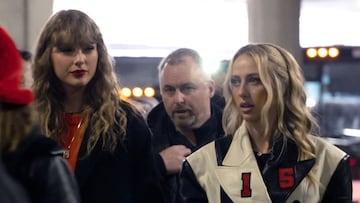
24, 19
275, 21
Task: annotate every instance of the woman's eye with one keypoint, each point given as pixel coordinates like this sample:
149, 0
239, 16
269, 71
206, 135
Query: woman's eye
254, 80
235, 82
89, 49
66, 50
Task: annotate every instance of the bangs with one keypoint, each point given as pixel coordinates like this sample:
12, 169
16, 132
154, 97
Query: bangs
75, 29
73, 39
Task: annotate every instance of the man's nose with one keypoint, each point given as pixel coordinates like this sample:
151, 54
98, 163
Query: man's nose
179, 96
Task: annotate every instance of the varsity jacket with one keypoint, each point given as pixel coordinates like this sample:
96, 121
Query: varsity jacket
226, 171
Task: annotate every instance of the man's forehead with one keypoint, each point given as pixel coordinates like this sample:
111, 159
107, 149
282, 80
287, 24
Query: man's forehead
185, 72
181, 81
185, 69
181, 72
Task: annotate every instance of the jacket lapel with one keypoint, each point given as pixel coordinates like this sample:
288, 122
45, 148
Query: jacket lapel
283, 173
239, 175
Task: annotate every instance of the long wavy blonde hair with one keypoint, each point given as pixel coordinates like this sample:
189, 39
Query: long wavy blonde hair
283, 80
107, 119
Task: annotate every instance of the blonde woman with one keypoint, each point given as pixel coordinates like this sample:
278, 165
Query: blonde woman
270, 153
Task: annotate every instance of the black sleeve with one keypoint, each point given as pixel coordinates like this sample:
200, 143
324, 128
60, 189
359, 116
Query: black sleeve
339, 189
54, 180
190, 189
147, 182
160, 166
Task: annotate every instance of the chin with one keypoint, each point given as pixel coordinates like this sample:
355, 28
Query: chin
184, 123
250, 118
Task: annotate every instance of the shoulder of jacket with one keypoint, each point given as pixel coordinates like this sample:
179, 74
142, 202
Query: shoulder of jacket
156, 112
39, 145
202, 153
324, 147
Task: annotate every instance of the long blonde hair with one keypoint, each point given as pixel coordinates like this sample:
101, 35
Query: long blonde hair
283, 80
107, 119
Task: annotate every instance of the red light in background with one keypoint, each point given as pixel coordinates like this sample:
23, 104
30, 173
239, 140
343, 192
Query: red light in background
352, 162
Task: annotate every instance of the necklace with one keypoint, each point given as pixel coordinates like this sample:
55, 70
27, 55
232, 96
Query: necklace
74, 130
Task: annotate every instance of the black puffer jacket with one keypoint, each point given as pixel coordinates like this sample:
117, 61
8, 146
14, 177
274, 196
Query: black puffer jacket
38, 165
165, 135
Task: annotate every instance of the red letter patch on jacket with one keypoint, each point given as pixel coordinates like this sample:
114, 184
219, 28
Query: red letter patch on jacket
286, 177
246, 190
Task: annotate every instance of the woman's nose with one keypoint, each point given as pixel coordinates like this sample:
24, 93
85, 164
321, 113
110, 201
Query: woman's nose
243, 92
79, 58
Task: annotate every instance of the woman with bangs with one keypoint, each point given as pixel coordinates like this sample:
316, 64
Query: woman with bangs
106, 141
272, 152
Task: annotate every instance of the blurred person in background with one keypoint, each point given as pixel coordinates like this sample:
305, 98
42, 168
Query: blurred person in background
270, 152
32, 159
106, 140
186, 119
219, 77
27, 79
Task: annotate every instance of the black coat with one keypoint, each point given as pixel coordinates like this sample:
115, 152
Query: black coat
38, 165
10, 190
165, 135
125, 176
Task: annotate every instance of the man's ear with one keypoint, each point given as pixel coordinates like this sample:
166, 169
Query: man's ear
211, 86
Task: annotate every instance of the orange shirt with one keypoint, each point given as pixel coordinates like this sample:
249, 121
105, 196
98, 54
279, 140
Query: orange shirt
73, 135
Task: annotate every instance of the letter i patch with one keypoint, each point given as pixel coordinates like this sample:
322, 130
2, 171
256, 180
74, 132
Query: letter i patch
246, 190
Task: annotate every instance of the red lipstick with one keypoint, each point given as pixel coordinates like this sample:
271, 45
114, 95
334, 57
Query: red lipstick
78, 73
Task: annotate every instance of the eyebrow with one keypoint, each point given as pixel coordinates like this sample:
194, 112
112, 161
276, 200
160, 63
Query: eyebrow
179, 85
248, 75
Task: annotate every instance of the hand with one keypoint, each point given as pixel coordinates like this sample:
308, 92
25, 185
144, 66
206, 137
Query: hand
174, 157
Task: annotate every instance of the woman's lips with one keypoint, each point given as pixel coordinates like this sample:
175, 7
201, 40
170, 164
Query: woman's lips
246, 108
78, 73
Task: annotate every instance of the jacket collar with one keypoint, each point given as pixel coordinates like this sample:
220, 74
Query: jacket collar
160, 124
239, 146
284, 155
